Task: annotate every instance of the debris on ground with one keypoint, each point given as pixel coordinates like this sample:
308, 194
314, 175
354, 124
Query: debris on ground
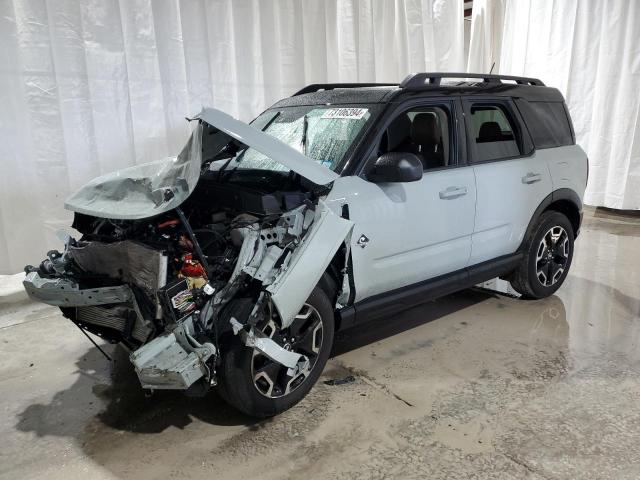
340, 381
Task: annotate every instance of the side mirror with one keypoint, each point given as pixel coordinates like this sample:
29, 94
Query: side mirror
396, 167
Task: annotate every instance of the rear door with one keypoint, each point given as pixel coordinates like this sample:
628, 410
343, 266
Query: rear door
511, 180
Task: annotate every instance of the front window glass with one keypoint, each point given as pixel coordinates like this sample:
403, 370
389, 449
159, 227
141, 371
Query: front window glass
323, 133
423, 131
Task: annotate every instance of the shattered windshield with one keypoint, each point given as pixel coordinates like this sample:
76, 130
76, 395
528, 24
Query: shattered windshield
323, 133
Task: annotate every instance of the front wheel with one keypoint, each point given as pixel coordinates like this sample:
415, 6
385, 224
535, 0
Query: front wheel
548, 251
261, 387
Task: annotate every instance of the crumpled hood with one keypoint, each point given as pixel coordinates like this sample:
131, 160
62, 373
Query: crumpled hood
153, 188
143, 190
269, 146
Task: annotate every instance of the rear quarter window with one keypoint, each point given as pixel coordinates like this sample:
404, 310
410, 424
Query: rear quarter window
548, 123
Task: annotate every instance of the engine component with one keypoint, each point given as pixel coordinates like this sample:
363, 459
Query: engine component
128, 261
179, 299
120, 317
194, 241
266, 272
191, 267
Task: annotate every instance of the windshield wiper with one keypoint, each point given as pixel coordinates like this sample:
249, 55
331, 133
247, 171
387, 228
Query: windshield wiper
263, 129
305, 126
226, 164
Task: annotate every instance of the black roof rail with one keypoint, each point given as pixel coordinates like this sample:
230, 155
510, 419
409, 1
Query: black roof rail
314, 87
416, 81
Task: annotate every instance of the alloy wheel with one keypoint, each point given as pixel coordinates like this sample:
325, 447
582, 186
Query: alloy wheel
552, 256
303, 336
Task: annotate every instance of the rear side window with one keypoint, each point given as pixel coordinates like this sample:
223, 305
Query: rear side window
548, 123
493, 133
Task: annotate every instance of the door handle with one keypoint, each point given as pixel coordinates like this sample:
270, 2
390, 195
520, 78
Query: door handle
531, 177
452, 192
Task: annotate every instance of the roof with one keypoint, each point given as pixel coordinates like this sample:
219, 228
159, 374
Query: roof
423, 85
341, 95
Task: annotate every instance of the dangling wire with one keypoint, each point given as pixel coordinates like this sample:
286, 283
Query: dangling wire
94, 343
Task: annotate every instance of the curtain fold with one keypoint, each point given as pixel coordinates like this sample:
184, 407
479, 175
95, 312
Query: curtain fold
94, 86
590, 51
485, 37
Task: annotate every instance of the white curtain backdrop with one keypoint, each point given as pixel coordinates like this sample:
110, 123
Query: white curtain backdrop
90, 87
485, 38
590, 51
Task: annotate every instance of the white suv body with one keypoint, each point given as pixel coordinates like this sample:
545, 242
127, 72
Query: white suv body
431, 188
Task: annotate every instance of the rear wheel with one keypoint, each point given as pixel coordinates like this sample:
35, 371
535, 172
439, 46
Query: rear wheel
548, 251
261, 387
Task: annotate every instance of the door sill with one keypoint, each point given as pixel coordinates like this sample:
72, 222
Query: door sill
387, 303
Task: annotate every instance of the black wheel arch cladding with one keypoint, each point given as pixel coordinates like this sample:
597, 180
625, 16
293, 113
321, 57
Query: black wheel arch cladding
563, 200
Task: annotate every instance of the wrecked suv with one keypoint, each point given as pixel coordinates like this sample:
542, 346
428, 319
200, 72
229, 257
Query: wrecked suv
233, 264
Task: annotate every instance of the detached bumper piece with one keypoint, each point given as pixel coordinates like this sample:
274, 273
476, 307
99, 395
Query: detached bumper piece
174, 361
114, 307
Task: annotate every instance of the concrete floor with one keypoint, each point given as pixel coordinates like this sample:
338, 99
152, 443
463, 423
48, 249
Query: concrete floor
476, 385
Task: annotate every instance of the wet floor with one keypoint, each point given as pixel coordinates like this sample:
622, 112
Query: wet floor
475, 385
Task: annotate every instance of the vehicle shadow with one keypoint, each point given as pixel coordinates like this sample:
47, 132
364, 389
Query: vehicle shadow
373, 331
108, 394
127, 407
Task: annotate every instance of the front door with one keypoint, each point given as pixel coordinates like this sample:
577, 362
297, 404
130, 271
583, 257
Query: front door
405, 233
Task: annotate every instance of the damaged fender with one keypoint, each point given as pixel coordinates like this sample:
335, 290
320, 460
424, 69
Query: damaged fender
294, 284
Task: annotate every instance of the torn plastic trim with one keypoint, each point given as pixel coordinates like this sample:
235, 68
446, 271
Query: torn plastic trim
346, 291
268, 146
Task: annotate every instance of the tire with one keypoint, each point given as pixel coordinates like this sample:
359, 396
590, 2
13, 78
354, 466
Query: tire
241, 365
542, 269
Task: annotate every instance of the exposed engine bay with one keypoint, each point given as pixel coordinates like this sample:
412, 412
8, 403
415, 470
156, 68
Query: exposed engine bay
175, 286
180, 271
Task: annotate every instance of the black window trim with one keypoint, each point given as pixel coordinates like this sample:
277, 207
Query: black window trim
569, 119
523, 138
457, 147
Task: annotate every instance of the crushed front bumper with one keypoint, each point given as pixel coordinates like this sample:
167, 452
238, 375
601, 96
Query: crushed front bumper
172, 361
62, 292
114, 308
